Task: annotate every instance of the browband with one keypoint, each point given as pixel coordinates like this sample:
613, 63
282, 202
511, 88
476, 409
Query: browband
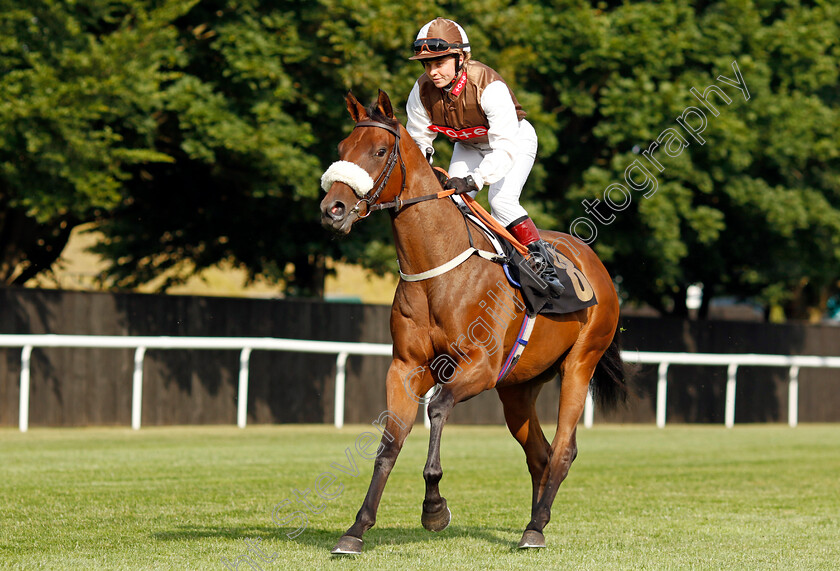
369, 123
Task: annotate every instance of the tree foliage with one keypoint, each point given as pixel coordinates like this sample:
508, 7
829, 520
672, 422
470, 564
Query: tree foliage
754, 211
77, 90
195, 132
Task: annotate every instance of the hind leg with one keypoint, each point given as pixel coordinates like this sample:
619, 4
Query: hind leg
577, 373
524, 425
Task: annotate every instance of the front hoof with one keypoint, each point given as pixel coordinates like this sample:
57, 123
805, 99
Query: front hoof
438, 520
531, 539
348, 545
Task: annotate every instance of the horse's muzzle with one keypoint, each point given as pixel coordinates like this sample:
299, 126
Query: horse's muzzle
336, 216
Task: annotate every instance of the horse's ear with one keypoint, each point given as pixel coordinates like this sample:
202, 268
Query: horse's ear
384, 104
356, 109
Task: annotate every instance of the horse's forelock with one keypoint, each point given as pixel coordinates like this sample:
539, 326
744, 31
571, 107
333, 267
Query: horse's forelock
376, 115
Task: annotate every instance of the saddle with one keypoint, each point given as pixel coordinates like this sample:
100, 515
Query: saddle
578, 293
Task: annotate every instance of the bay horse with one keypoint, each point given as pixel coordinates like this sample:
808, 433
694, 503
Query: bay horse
430, 317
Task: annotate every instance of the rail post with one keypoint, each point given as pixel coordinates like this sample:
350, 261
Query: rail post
661, 394
588, 410
23, 414
793, 397
137, 388
729, 414
340, 381
427, 422
242, 404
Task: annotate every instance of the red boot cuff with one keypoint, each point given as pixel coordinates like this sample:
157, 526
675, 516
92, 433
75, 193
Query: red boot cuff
526, 232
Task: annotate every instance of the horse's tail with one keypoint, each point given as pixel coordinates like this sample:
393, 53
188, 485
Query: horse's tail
609, 382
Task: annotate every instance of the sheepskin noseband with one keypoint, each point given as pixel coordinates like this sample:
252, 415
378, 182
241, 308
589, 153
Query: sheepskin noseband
350, 174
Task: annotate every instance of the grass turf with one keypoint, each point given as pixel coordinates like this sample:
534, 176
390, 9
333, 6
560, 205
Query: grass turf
686, 497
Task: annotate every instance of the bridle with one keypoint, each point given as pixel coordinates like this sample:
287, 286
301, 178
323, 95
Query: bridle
382, 180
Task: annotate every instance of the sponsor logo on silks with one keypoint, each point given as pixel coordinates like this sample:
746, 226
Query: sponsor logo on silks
463, 134
456, 91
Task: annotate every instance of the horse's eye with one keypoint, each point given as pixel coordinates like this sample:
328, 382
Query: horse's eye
381, 152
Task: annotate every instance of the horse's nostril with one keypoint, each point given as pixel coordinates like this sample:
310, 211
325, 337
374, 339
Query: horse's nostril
337, 209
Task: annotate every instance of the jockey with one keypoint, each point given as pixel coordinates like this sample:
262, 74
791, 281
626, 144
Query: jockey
493, 143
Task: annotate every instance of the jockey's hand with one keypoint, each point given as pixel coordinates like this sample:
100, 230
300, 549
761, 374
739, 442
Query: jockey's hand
461, 185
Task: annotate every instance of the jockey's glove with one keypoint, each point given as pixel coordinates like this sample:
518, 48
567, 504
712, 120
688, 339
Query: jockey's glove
461, 185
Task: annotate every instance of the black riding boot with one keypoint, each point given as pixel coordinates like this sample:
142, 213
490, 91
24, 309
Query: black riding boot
540, 263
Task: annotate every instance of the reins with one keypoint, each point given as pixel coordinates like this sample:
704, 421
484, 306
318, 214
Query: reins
397, 203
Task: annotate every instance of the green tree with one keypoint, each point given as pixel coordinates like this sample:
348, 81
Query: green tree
195, 133
752, 212
242, 184
77, 87
251, 121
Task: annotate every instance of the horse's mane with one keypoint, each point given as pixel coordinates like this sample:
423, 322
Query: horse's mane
375, 114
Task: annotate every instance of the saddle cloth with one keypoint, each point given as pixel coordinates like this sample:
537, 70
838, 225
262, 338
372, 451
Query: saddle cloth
578, 294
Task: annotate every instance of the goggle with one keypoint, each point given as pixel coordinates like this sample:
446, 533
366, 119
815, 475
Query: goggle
435, 45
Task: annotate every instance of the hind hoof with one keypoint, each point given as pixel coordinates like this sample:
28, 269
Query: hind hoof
348, 545
437, 521
531, 539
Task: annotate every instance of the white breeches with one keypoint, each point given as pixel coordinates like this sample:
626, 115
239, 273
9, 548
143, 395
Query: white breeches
504, 193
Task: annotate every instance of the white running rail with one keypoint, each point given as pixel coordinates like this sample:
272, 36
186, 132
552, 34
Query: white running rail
245, 345
732, 362
343, 350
